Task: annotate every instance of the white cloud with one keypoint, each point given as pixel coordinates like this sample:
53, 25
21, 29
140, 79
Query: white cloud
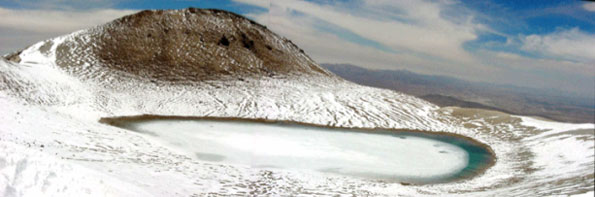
259, 3
570, 44
54, 21
22, 27
326, 47
589, 6
421, 29
418, 26
427, 37
568, 76
65, 4
515, 61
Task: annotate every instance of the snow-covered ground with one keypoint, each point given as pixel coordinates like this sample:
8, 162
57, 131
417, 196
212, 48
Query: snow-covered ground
52, 143
27, 171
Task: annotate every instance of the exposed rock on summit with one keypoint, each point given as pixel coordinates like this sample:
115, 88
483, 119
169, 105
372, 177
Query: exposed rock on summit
184, 45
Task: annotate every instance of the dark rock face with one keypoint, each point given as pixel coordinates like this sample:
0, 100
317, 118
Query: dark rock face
14, 57
186, 45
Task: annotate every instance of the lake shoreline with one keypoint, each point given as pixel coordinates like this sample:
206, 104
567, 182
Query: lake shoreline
486, 163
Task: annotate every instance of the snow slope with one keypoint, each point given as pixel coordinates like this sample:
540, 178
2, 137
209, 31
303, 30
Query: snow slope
51, 107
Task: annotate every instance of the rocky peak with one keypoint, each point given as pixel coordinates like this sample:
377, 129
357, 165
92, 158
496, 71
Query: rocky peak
185, 45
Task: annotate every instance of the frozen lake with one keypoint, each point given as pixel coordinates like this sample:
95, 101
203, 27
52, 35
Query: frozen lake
381, 155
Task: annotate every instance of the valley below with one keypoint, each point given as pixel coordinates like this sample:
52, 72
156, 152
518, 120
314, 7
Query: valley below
448, 91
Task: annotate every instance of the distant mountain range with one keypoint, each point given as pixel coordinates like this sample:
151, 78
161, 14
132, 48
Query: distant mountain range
449, 91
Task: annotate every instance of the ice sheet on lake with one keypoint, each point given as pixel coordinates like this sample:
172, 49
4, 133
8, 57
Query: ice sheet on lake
400, 158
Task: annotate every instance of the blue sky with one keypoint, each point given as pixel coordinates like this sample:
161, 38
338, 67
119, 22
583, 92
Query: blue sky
543, 44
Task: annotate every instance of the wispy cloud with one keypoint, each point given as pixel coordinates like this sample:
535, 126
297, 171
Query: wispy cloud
65, 4
56, 21
570, 44
564, 76
429, 37
258, 3
21, 27
589, 6
416, 26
